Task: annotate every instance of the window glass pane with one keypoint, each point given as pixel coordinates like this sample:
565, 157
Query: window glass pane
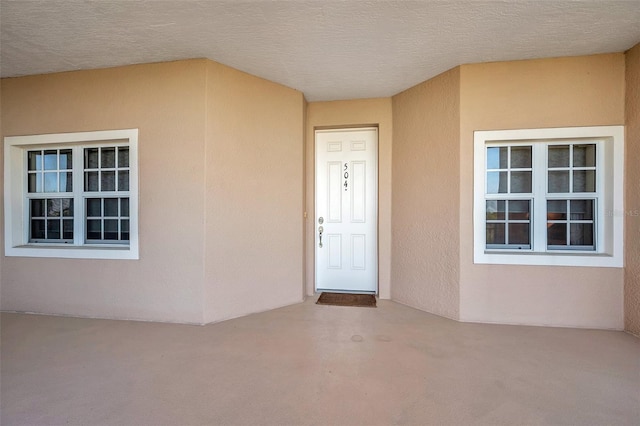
34, 160
53, 229
37, 229
51, 159
521, 157
559, 181
111, 207
35, 182
124, 207
496, 182
124, 229
91, 181
94, 229
108, 181
497, 158
520, 182
519, 233
519, 210
584, 155
584, 181
94, 207
110, 229
66, 159
582, 234
558, 156
91, 158
123, 156
67, 229
495, 210
557, 210
108, 159
582, 209
51, 182
67, 207
495, 233
54, 207
37, 208
66, 182
557, 234
123, 180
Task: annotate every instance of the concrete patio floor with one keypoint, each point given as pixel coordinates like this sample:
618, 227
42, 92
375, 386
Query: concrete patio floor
309, 364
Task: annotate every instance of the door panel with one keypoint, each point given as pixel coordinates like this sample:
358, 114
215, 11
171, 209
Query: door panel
346, 210
358, 192
334, 196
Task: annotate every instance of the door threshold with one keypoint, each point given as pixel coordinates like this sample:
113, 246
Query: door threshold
330, 290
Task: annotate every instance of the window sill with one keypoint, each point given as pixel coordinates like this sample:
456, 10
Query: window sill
591, 259
66, 251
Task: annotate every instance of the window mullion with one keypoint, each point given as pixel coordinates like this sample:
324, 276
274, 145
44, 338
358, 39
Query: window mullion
26, 216
601, 201
78, 199
539, 209
568, 221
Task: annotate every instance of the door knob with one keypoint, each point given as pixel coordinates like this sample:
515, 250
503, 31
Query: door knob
320, 231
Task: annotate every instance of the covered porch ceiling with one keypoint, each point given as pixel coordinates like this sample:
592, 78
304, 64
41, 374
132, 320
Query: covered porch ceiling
328, 50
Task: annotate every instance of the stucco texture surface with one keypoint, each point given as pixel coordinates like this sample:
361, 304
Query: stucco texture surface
354, 113
632, 207
425, 261
220, 184
165, 102
562, 92
1, 198
254, 192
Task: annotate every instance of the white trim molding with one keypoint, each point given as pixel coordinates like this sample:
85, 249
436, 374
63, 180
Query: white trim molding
16, 198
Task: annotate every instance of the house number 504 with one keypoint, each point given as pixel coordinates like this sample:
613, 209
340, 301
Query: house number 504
346, 176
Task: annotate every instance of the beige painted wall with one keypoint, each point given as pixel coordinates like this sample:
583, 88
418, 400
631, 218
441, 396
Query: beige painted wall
254, 194
224, 172
221, 192
166, 102
632, 206
563, 92
360, 112
1, 198
425, 248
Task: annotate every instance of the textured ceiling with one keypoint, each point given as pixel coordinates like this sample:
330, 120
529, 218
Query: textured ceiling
328, 50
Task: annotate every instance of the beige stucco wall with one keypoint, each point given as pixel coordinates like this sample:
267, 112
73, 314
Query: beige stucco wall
361, 112
254, 194
227, 169
577, 91
1, 198
166, 102
426, 133
632, 206
221, 192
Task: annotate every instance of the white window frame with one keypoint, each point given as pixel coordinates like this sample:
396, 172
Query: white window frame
609, 228
16, 206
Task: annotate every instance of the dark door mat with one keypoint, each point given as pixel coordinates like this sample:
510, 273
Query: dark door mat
347, 299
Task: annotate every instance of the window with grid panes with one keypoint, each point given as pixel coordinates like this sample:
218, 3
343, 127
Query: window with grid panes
50, 195
571, 172
106, 192
509, 197
80, 192
549, 200
572, 196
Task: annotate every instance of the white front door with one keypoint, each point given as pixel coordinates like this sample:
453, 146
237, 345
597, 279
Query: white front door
346, 219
